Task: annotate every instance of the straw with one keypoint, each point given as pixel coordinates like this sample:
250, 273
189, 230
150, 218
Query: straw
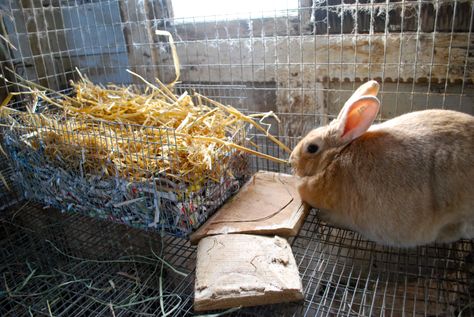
124, 131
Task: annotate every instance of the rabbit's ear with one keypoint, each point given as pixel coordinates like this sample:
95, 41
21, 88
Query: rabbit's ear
356, 117
370, 88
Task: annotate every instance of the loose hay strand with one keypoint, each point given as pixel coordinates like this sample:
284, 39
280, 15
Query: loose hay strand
6, 100
249, 120
4, 181
60, 280
241, 148
173, 53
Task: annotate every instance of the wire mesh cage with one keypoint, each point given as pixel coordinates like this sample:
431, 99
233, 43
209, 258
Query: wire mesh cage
301, 60
120, 171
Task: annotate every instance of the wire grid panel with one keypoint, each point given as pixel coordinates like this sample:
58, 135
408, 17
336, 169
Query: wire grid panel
9, 192
72, 265
302, 62
82, 266
305, 59
119, 174
347, 275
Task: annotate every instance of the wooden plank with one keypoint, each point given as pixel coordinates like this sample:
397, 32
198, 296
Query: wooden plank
35, 26
245, 270
402, 15
321, 17
295, 60
268, 204
5, 61
139, 38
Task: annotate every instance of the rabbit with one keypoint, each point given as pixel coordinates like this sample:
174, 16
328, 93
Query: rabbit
405, 182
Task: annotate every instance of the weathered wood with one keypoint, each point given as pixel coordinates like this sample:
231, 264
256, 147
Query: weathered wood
243, 28
245, 270
139, 38
268, 204
403, 16
35, 25
291, 61
311, 100
5, 61
157, 14
337, 17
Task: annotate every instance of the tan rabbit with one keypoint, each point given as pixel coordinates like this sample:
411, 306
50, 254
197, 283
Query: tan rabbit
405, 182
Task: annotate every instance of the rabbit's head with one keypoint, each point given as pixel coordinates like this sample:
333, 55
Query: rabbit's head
313, 153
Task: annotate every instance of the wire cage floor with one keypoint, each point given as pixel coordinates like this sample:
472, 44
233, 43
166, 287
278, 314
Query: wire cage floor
56, 264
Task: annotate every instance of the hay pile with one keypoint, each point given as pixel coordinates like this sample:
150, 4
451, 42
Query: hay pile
139, 155
134, 133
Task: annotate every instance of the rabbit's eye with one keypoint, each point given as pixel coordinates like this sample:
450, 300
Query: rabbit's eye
313, 148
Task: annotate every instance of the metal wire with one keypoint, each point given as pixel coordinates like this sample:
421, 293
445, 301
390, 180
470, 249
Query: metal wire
342, 273
144, 201
86, 267
8, 188
302, 63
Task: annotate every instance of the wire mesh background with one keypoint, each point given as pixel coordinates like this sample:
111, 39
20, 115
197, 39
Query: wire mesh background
302, 63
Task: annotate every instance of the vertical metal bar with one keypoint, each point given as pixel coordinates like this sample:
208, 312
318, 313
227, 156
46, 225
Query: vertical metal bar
417, 51
356, 35
371, 35
382, 85
433, 49
449, 54
400, 54
466, 58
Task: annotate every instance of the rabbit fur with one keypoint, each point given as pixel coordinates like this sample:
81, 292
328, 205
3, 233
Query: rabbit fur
405, 182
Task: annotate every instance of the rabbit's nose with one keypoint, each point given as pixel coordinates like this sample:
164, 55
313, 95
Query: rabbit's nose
291, 160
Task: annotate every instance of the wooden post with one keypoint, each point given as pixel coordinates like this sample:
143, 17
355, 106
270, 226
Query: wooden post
139, 38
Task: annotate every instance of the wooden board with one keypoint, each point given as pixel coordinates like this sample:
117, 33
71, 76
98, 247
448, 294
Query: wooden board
245, 270
268, 204
140, 38
418, 57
